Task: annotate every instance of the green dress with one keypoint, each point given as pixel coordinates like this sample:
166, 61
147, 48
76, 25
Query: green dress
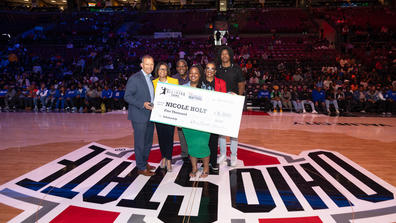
197, 142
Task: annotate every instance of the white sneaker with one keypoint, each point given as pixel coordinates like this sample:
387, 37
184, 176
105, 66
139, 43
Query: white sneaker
221, 159
314, 112
233, 160
338, 112
304, 111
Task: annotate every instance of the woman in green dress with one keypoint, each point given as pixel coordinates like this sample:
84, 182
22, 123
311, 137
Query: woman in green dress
197, 141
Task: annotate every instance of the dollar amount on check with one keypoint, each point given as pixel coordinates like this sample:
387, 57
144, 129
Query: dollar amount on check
199, 109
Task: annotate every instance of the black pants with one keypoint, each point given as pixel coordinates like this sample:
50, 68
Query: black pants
165, 138
385, 106
2, 102
79, 102
94, 102
213, 146
108, 103
265, 104
69, 102
371, 106
119, 103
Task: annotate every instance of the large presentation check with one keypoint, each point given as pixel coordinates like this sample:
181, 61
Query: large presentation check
199, 109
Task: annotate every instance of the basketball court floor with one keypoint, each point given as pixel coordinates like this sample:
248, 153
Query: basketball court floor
62, 167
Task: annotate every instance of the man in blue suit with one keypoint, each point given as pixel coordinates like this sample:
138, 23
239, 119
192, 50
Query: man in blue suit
139, 94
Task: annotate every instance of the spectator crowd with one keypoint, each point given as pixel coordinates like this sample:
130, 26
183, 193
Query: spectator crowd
87, 72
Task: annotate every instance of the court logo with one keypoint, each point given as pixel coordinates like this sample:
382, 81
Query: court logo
97, 183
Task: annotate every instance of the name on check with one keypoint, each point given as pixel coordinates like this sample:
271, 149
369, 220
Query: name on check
199, 109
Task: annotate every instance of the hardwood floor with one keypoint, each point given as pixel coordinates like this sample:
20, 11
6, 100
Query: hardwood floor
29, 141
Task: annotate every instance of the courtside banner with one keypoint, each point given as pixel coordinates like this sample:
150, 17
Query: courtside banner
199, 109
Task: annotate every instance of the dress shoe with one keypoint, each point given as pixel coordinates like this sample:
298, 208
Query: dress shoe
146, 173
149, 167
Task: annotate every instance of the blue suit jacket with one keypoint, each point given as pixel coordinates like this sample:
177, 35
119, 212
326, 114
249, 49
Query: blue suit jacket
136, 93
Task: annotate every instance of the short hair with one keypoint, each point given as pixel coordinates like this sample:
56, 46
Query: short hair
183, 61
156, 70
212, 62
147, 57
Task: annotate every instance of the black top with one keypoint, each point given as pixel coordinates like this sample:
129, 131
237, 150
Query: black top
305, 95
232, 76
329, 95
208, 85
295, 96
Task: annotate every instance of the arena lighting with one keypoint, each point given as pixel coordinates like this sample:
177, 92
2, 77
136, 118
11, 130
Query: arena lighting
6, 34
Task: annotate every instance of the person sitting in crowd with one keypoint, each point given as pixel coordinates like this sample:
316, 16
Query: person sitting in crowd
10, 98
348, 93
286, 99
51, 100
60, 99
264, 98
80, 98
71, 95
107, 98
340, 97
295, 99
276, 98
331, 99
42, 95
318, 98
3, 93
93, 98
371, 100
306, 97
118, 97
359, 97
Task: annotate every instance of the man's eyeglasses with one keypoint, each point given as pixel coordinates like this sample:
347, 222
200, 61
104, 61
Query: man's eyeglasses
210, 68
